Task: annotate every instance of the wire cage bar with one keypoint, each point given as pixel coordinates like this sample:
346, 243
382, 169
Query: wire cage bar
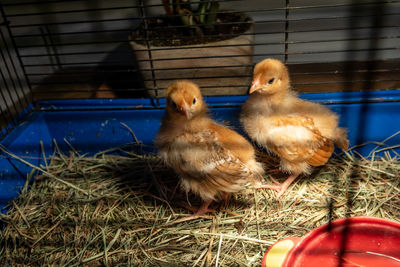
15, 94
93, 49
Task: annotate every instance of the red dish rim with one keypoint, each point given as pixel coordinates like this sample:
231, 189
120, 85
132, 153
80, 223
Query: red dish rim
290, 259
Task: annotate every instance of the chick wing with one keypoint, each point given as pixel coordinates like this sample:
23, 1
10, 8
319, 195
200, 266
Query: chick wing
296, 139
206, 166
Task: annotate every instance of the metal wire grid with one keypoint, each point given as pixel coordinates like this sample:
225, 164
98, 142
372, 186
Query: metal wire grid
77, 48
14, 92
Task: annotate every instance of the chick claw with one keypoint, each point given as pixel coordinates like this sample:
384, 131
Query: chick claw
198, 213
202, 210
280, 187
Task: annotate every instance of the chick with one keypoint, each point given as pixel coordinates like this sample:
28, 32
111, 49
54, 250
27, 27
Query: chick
301, 133
211, 160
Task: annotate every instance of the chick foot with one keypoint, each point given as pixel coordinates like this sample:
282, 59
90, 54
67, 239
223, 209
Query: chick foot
197, 212
202, 210
280, 187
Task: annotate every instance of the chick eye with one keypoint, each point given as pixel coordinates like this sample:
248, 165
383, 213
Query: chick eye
271, 81
174, 104
194, 101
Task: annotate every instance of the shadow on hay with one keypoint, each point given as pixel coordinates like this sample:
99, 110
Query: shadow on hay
150, 177
357, 17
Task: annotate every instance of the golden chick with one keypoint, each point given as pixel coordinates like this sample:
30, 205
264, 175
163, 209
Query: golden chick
211, 160
300, 132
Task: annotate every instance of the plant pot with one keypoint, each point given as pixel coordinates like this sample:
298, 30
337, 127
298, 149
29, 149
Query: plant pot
222, 67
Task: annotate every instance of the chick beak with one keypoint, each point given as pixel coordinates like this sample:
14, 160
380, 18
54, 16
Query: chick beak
184, 110
255, 85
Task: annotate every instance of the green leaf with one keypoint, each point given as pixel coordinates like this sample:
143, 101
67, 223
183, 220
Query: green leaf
213, 11
201, 11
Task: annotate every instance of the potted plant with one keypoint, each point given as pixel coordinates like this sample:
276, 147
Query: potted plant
196, 41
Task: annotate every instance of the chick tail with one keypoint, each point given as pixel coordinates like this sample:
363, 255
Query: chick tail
322, 154
341, 139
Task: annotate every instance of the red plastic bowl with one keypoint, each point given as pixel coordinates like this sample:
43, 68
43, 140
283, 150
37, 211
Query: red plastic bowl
358, 241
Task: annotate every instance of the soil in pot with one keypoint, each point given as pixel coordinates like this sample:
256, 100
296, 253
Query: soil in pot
219, 60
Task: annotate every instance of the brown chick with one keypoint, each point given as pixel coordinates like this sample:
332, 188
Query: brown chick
300, 132
211, 160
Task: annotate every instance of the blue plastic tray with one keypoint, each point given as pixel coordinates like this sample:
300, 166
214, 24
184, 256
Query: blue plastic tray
91, 126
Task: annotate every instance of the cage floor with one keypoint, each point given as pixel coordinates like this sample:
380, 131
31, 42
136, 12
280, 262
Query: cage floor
127, 210
90, 126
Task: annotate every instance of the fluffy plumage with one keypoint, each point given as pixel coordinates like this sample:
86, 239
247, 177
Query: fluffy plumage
211, 160
300, 132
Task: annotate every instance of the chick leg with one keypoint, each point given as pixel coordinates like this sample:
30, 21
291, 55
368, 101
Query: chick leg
274, 181
203, 209
200, 212
225, 197
272, 178
281, 188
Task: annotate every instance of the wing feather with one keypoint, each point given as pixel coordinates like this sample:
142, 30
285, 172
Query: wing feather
296, 139
206, 166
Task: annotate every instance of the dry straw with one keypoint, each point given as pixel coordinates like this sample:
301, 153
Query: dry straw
127, 210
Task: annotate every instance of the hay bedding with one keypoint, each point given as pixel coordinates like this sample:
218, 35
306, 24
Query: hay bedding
112, 210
